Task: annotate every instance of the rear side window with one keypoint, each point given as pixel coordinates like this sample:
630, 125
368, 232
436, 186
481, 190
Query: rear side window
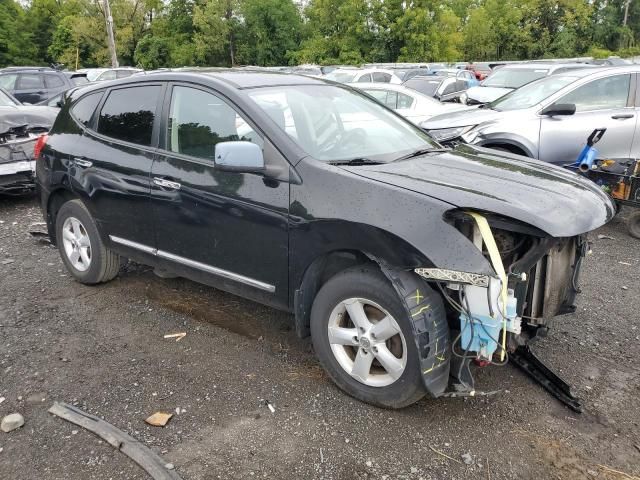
54, 81
29, 81
83, 109
108, 75
404, 101
381, 77
128, 114
124, 73
365, 78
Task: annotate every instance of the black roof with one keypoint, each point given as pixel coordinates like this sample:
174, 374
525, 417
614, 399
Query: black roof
240, 78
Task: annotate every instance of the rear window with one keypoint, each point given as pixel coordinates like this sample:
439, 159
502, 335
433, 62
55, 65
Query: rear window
83, 109
79, 80
128, 114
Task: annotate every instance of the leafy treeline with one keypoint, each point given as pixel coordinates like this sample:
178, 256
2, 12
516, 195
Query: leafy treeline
164, 33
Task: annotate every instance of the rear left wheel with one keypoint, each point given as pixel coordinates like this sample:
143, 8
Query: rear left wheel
81, 248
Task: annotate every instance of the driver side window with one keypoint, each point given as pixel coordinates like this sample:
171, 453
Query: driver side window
198, 120
602, 94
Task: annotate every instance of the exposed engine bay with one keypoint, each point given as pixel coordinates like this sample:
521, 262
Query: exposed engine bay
492, 318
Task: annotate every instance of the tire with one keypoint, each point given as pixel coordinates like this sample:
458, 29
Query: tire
376, 294
81, 248
633, 224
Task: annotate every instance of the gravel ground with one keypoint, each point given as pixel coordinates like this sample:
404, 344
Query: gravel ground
102, 349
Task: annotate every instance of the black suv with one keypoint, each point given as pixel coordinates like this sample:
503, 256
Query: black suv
403, 260
37, 84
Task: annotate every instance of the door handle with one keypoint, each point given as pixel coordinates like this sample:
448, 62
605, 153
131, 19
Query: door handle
81, 162
163, 182
622, 116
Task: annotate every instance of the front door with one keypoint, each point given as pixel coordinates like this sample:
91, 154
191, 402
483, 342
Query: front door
602, 103
227, 228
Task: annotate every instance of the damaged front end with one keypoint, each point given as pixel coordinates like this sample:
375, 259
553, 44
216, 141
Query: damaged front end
17, 164
493, 317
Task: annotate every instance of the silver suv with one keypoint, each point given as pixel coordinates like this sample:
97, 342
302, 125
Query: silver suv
551, 118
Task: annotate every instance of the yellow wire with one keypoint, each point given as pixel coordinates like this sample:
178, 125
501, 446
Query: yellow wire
496, 261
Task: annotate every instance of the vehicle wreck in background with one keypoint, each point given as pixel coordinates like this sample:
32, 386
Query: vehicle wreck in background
20, 126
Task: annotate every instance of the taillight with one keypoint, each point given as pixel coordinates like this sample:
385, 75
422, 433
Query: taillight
40, 143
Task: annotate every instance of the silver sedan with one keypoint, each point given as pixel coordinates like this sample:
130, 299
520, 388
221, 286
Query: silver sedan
551, 118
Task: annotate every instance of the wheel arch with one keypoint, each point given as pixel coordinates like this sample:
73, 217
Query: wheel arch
510, 146
389, 250
56, 199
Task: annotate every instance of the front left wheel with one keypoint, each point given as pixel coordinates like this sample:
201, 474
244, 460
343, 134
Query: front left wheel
363, 338
84, 254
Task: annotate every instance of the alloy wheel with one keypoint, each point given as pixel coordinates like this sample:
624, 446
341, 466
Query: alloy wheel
76, 243
367, 342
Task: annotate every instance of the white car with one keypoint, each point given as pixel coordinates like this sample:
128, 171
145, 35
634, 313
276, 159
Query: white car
414, 106
367, 75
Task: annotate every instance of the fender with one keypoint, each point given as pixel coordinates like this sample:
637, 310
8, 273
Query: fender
426, 311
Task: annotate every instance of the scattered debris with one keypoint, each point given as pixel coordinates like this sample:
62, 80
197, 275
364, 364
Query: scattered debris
467, 458
637, 447
8, 261
624, 287
147, 459
11, 422
177, 336
624, 263
180, 410
444, 455
606, 469
413, 470
603, 237
271, 409
321, 457
2, 399
159, 419
369, 463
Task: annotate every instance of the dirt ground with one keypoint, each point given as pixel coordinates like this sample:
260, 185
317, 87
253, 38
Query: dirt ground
102, 349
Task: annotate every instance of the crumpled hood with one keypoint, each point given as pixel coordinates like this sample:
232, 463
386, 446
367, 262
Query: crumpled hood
480, 94
557, 201
462, 118
31, 115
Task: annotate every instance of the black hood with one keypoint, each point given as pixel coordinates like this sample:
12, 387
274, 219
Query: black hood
26, 115
557, 201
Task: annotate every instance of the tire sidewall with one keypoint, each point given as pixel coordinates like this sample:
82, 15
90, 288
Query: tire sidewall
75, 208
367, 283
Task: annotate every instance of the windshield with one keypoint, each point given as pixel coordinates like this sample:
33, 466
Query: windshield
514, 78
424, 85
334, 124
531, 94
6, 100
342, 77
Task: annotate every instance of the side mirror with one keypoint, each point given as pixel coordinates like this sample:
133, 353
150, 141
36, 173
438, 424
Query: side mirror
239, 157
559, 109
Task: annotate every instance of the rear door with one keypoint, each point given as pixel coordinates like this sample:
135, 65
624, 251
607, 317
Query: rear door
111, 163
605, 102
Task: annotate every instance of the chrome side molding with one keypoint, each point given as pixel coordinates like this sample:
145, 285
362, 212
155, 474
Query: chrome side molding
195, 264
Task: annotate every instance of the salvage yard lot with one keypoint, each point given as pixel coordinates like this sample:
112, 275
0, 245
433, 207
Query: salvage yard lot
102, 348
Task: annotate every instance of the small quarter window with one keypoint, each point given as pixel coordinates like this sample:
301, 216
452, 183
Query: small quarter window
128, 114
83, 109
53, 81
